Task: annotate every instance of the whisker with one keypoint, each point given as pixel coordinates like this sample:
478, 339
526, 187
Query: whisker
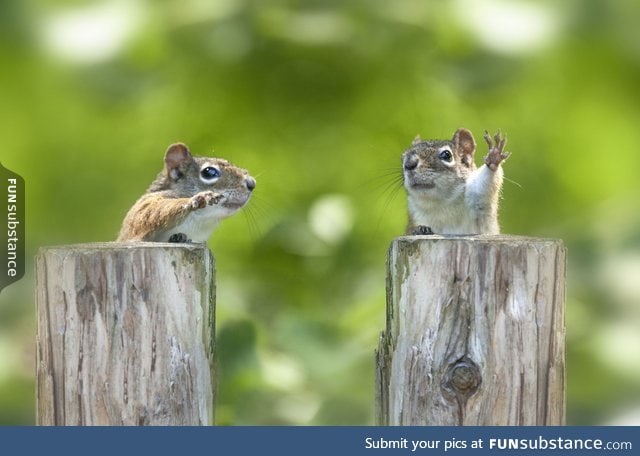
391, 194
254, 229
258, 206
258, 213
388, 185
381, 180
512, 181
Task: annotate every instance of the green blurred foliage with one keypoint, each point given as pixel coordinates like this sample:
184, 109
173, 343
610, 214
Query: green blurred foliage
318, 99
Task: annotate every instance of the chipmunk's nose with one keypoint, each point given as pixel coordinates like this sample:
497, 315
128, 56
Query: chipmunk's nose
250, 183
411, 162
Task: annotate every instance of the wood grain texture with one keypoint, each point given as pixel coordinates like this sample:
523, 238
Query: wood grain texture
475, 332
125, 334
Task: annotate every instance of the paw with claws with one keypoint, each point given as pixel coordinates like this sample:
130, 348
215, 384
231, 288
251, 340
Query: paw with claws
204, 199
422, 230
496, 153
179, 238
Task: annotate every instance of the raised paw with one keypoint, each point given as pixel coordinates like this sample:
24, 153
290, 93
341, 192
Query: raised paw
496, 153
422, 230
203, 199
179, 238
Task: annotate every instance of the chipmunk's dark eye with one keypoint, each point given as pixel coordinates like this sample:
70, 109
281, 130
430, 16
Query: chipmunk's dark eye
210, 174
445, 155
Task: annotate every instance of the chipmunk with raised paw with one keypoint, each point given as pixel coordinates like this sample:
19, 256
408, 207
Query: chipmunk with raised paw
447, 193
188, 199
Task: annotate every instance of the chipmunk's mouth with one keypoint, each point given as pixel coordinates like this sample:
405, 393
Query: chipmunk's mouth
423, 186
413, 182
235, 203
234, 206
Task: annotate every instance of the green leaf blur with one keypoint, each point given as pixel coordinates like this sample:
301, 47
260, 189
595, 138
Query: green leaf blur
318, 99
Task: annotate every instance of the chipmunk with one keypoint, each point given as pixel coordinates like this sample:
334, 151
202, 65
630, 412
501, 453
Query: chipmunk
188, 199
447, 194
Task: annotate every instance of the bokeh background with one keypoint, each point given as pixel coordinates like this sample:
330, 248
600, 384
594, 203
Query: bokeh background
318, 98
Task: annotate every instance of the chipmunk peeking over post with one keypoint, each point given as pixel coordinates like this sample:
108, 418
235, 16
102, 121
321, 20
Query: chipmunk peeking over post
188, 199
447, 194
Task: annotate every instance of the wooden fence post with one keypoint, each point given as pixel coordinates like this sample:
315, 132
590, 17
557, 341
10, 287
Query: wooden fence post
125, 334
475, 332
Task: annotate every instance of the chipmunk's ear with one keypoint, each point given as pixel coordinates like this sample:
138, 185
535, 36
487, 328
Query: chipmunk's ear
176, 160
417, 140
465, 145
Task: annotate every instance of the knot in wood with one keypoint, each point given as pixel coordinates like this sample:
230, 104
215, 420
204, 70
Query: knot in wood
463, 377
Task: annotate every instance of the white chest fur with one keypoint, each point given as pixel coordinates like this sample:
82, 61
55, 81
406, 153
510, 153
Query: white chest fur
469, 209
448, 217
198, 225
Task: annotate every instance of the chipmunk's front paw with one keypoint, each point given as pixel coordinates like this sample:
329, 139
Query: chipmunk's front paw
179, 238
422, 230
496, 153
204, 199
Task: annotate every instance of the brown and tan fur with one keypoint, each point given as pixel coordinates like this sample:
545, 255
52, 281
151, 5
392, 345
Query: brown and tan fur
447, 193
180, 206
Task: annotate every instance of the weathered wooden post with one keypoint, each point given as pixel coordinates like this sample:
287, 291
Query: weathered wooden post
475, 332
125, 334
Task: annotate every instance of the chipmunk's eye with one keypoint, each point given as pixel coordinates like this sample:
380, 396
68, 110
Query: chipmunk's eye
210, 174
445, 155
